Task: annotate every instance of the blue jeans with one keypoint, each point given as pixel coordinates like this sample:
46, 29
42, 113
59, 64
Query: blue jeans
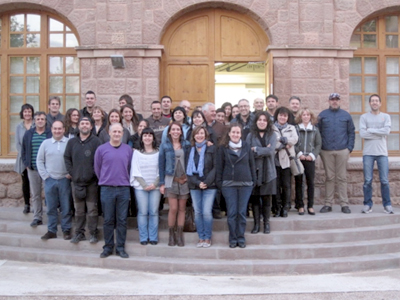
383, 169
58, 194
147, 217
237, 198
203, 201
115, 203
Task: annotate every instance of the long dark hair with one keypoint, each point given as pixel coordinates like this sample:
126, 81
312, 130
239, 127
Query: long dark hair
135, 119
226, 104
269, 130
225, 139
148, 130
169, 130
67, 119
185, 120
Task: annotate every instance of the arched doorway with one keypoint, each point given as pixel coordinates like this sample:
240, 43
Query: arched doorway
197, 41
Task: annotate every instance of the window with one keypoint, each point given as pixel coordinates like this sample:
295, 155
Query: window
37, 60
375, 69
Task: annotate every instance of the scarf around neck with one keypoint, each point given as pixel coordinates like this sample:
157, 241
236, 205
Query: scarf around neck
191, 168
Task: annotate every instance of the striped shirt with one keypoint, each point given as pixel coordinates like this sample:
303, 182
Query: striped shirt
37, 140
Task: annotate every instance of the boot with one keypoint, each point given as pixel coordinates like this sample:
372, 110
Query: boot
256, 216
172, 238
266, 211
284, 212
179, 234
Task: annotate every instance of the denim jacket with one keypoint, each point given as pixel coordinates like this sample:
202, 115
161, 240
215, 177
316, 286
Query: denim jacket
166, 158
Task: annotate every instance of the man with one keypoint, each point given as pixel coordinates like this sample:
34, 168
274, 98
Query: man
157, 122
220, 116
294, 104
32, 140
79, 161
54, 111
186, 105
337, 133
90, 100
166, 103
272, 105
57, 183
258, 105
375, 129
127, 100
112, 163
210, 115
244, 118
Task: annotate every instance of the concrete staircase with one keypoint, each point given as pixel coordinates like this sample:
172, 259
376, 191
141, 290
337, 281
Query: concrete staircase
325, 243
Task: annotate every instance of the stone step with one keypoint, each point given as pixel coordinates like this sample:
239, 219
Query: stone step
333, 220
218, 250
206, 266
352, 234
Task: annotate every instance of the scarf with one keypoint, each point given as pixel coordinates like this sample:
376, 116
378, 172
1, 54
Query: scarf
191, 168
235, 147
279, 126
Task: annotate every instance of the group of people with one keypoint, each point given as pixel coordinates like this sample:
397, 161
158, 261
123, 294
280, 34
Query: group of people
123, 164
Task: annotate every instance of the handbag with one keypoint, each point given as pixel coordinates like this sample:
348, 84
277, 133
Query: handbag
190, 225
296, 167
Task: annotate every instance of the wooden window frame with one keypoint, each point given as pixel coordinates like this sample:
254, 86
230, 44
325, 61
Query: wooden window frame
44, 52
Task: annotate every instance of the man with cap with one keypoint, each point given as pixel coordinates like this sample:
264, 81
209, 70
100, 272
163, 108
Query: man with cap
79, 161
338, 135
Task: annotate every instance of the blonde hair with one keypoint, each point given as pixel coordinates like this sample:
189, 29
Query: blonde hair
313, 119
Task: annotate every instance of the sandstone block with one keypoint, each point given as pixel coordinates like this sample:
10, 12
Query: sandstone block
133, 68
116, 12
280, 33
282, 67
88, 84
320, 86
65, 7
122, 27
326, 68
134, 38
259, 6
152, 87
283, 16
364, 8
151, 33
101, 12
3, 190
299, 87
111, 86
270, 18
136, 11
161, 17
10, 177
311, 12
78, 17
153, 4
185, 3
84, 4
151, 67
277, 4
104, 38
134, 86
345, 4
118, 38
87, 33
103, 70
305, 68
171, 7
14, 191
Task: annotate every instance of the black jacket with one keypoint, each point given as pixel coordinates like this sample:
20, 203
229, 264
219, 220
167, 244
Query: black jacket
210, 166
230, 166
79, 159
26, 151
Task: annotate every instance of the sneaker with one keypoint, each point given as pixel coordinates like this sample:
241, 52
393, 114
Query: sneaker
49, 235
388, 209
78, 237
207, 244
67, 235
200, 244
93, 239
366, 209
36, 222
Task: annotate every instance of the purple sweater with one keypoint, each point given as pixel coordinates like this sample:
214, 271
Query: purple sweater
112, 165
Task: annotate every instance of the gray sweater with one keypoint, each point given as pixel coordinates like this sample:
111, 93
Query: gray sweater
374, 129
50, 159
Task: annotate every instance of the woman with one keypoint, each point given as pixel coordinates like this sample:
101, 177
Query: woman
262, 140
307, 149
198, 119
179, 116
26, 114
134, 140
286, 139
201, 168
235, 111
100, 121
235, 177
130, 120
144, 178
71, 120
114, 116
227, 107
173, 180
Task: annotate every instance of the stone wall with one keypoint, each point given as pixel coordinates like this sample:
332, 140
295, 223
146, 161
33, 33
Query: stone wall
11, 193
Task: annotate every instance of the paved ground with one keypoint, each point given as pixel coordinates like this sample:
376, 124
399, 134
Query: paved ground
49, 281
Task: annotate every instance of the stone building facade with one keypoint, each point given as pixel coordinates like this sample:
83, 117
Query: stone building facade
309, 41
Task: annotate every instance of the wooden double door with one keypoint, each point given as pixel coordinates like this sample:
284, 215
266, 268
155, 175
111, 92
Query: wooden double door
196, 41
